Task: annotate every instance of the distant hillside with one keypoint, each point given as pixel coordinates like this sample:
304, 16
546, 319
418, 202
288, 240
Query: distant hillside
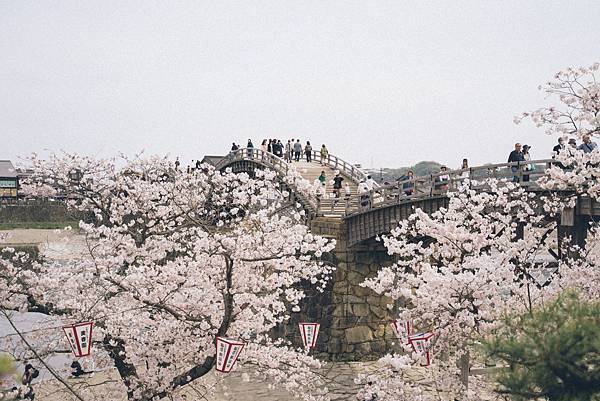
392, 174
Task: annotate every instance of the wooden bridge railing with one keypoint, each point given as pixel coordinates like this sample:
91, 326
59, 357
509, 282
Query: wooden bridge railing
434, 185
526, 173
257, 155
347, 169
280, 166
283, 168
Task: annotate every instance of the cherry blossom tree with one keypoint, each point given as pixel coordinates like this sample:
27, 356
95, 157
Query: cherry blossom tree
578, 110
487, 255
460, 270
575, 114
172, 261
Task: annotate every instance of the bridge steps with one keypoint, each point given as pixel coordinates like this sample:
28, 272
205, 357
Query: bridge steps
312, 171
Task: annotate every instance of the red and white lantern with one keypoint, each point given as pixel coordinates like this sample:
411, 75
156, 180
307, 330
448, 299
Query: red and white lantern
228, 351
403, 330
421, 343
80, 338
309, 332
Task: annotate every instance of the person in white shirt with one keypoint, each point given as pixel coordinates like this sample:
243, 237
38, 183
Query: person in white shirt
364, 193
465, 168
370, 182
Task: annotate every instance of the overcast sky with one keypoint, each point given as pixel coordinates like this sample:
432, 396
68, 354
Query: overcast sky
381, 83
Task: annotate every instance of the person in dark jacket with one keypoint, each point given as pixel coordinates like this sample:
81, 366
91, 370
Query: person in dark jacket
558, 148
308, 151
28, 376
408, 186
516, 156
587, 146
250, 147
337, 184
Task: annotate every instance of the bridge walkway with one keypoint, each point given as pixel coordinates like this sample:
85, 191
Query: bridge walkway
320, 202
328, 205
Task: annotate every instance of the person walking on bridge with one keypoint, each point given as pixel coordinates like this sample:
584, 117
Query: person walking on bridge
264, 149
370, 183
516, 156
529, 166
279, 147
409, 184
288, 151
587, 146
337, 188
323, 178
308, 152
365, 194
465, 169
337, 184
558, 148
324, 155
297, 150
250, 147
234, 149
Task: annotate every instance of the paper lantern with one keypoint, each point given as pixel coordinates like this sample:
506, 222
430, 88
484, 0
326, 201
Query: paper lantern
80, 338
403, 329
228, 351
310, 332
421, 343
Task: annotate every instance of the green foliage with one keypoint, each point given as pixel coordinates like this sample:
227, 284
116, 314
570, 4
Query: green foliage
552, 353
7, 364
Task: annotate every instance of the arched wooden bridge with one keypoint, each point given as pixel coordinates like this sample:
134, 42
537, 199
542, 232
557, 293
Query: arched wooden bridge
353, 318
371, 211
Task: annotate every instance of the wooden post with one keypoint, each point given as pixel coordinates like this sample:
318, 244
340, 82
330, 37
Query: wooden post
573, 227
464, 366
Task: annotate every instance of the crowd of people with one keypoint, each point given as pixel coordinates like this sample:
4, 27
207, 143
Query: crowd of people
522, 156
291, 151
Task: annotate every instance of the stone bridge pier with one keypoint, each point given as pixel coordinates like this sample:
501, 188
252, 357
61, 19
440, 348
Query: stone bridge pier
355, 321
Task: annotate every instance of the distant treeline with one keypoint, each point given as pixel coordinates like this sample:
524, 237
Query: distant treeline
392, 174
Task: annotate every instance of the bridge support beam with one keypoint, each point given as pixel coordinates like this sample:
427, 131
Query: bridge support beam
572, 230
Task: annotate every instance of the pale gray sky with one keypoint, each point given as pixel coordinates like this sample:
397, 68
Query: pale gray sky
389, 82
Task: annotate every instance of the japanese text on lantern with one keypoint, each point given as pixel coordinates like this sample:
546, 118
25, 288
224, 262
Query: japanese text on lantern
228, 351
80, 338
309, 332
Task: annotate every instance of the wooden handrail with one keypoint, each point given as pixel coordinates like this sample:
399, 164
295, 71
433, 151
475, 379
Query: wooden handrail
421, 187
424, 187
347, 169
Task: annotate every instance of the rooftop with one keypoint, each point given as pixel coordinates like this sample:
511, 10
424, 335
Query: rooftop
7, 170
212, 160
